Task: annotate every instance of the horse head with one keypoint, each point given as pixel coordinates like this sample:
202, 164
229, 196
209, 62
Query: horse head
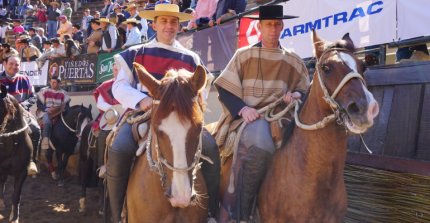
9, 107
340, 76
177, 128
76, 118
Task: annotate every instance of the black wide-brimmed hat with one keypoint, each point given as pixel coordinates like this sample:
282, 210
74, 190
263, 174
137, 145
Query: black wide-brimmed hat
271, 12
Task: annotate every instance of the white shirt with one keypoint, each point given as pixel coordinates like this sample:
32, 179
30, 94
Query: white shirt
133, 37
123, 90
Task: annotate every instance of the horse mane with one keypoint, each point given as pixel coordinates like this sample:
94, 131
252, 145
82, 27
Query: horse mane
177, 95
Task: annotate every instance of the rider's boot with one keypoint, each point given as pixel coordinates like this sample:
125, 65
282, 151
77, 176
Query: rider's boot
211, 173
118, 170
254, 168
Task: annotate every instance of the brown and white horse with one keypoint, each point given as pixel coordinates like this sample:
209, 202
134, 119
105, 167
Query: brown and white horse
305, 181
165, 184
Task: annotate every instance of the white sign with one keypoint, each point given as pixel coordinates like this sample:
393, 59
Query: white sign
413, 17
369, 22
31, 70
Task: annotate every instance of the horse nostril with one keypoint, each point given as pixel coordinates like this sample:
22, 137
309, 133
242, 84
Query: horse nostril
353, 108
193, 197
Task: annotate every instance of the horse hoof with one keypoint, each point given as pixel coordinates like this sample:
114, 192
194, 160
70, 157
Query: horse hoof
60, 183
101, 212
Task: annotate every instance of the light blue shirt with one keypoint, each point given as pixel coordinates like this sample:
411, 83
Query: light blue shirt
133, 37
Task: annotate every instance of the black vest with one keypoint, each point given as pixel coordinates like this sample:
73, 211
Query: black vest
108, 39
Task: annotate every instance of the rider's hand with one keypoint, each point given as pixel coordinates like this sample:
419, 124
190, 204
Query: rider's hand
249, 114
145, 104
289, 97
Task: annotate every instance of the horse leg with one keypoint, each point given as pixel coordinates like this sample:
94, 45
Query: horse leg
60, 168
49, 153
16, 196
3, 179
83, 166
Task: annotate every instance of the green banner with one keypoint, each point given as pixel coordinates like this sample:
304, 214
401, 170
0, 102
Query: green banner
105, 64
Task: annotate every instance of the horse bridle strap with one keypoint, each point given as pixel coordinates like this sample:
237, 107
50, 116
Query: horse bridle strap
67, 126
330, 99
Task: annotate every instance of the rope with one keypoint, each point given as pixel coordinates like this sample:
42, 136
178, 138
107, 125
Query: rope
15, 132
67, 126
269, 116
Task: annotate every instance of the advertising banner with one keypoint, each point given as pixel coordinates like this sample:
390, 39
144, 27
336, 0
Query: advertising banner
105, 66
81, 70
215, 45
412, 18
36, 76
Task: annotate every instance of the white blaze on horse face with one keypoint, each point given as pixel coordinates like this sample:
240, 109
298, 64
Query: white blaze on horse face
349, 60
177, 132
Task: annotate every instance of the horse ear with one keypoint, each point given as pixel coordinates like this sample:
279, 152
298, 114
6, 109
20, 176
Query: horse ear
318, 44
349, 44
3, 92
90, 107
147, 79
198, 80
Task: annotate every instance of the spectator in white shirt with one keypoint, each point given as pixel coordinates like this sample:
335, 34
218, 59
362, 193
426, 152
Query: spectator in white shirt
133, 34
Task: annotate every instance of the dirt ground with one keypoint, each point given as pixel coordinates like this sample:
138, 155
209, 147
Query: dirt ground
43, 201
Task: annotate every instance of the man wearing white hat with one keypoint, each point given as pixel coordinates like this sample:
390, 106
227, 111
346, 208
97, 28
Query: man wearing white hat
110, 38
133, 34
159, 55
142, 25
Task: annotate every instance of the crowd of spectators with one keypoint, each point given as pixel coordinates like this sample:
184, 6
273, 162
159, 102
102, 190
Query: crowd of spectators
117, 25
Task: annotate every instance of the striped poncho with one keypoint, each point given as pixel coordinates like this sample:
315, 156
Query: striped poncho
256, 77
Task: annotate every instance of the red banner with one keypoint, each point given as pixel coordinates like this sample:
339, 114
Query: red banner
248, 32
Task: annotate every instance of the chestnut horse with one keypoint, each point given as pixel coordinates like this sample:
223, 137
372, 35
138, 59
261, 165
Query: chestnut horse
305, 182
15, 149
166, 184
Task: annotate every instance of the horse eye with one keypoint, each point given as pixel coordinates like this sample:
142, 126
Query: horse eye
325, 68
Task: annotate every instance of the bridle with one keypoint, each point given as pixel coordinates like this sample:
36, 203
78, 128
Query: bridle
160, 162
329, 99
74, 130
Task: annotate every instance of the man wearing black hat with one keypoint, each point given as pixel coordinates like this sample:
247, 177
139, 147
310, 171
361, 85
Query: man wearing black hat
257, 76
